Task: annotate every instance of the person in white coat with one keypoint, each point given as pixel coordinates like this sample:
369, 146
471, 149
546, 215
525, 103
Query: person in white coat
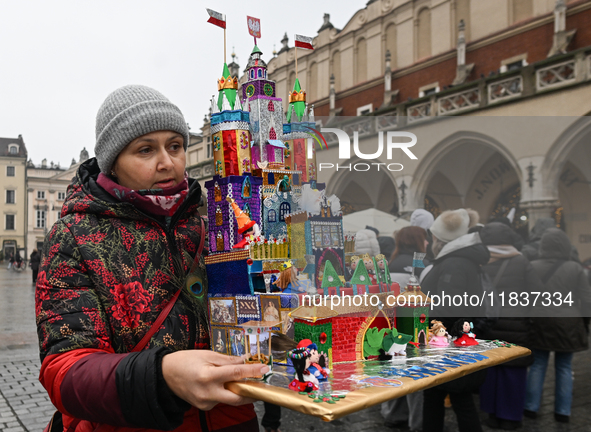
366, 242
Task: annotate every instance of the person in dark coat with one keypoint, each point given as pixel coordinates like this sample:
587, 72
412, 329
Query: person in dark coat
559, 329
532, 249
456, 270
503, 393
35, 259
125, 247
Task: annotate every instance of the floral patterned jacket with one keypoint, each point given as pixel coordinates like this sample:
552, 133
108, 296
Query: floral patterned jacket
107, 270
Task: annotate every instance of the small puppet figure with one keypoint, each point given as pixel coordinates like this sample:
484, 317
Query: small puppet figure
395, 343
353, 265
371, 271
303, 380
247, 227
287, 280
315, 367
438, 335
462, 330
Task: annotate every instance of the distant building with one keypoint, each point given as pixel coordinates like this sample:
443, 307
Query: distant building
46, 190
13, 209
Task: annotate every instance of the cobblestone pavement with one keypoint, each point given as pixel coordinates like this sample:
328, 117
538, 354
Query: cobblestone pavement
25, 406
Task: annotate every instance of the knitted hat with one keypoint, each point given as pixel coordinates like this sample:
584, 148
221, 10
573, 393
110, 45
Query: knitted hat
307, 343
421, 218
451, 224
128, 113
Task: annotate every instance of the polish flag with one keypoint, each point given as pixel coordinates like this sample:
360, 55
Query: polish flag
216, 18
303, 42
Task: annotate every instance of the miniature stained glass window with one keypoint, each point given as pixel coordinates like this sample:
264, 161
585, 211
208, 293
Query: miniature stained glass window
284, 210
260, 73
246, 209
219, 217
270, 106
219, 242
272, 216
217, 192
246, 188
252, 73
271, 178
296, 179
272, 134
268, 89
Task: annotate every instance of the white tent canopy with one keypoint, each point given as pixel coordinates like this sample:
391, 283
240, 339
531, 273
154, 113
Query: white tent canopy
384, 222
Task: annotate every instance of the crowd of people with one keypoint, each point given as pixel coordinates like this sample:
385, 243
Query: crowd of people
459, 250
123, 332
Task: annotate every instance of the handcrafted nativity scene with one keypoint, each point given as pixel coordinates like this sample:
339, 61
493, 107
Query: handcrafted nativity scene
277, 246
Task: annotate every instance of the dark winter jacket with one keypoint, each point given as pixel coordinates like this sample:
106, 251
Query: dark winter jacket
518, 276
35, 259
107, 270
561, 328
401, 267
532, 249
456, 270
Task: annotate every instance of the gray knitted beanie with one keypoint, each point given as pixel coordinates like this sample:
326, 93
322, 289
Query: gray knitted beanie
128, 113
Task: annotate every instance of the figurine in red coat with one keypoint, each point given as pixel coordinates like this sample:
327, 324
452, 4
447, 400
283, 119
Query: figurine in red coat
462, 329
304, 380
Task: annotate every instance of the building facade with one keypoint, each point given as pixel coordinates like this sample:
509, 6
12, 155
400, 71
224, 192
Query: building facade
13, 208
497, 94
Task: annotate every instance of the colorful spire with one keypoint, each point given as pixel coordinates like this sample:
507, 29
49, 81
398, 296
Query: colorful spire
227, 86
297, 100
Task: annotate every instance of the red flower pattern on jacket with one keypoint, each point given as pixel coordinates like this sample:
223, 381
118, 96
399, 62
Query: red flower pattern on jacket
131, 300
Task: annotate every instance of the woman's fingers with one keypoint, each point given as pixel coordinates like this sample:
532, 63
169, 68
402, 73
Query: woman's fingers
236, 372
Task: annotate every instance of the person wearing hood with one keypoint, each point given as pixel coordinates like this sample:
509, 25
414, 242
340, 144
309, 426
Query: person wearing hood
532, 249
121, 297
366, 242
502, 395
559, 329
456, 270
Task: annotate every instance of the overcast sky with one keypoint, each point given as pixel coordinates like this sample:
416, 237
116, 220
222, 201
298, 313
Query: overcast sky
59, 59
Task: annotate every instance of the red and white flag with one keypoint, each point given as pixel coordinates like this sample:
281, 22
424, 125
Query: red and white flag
303, 42
216, 18
254, 26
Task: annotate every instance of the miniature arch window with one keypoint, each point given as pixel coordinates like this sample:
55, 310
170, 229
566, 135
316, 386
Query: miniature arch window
246, 188
260, 73
272, 216
270, 106
246, 209
219, 217
284, 210
217, 192
252, 73
272, 134
219, 242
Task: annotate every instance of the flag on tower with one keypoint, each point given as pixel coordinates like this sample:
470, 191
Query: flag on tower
216, 18
254, 26
303, 42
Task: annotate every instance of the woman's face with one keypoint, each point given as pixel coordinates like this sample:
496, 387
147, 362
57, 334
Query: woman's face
466, 327
152, 161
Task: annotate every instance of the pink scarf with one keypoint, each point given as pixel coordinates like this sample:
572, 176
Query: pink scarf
161, 202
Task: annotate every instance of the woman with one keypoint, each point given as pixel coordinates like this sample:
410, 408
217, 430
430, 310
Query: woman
409, 240
502, 395
121, 253
559, 329
456, 270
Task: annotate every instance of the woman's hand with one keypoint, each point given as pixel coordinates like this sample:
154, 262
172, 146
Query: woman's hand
198, 377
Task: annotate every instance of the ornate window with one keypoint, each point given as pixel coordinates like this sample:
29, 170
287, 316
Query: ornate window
246, 209
284, 210
246, 188
272, 134
219, 242
272, 216
217, 192
219, 217
270, 106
